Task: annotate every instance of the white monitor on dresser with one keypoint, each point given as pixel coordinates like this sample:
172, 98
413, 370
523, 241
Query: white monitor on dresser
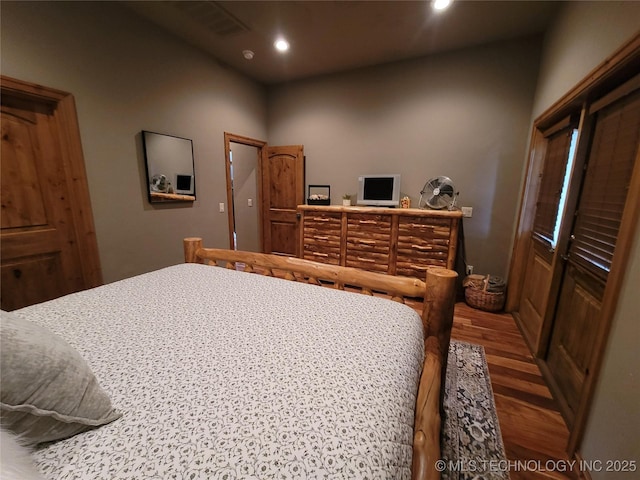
379, 190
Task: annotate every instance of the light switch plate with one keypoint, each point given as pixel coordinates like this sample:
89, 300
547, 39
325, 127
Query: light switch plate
222, 208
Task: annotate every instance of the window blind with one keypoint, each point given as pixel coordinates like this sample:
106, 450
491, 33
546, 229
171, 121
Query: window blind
553, 171
610, 163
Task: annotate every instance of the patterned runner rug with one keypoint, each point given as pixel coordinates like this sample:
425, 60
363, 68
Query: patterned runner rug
472, 445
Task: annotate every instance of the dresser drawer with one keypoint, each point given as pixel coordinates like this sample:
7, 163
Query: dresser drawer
368, 242
322, 223
362, 222
424, 227
423, 242
321, 237
368, 233
412, 268
422, 249
373, 262
323, 255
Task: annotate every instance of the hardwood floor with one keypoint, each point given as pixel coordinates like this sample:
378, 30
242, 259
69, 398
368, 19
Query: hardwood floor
532, 428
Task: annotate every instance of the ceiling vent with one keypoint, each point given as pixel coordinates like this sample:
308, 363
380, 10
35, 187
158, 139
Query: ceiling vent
212, 16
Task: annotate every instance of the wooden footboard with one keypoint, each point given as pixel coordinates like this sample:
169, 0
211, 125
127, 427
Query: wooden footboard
437, 293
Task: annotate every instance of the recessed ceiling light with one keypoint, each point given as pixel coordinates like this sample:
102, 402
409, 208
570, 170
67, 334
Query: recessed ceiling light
441, 4
248, 54
281, 45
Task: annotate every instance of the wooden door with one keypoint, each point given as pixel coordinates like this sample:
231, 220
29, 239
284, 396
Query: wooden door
603, 198
282, 191
537, 300
47, 236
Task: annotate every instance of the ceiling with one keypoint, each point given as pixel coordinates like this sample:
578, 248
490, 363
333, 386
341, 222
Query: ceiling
334, 36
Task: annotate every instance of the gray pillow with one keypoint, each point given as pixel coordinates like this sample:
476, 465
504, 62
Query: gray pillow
47, 390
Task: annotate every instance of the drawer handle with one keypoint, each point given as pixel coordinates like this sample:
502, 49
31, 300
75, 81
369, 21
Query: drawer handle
367, 222
321, 219
17, 273
421, 247
318, 237
367, 242
318, 254
421, 225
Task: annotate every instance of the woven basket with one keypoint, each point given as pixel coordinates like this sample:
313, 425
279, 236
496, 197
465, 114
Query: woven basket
484, 293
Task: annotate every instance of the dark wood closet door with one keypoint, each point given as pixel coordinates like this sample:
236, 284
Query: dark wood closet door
602, 200
283, 191
42, 246
536, 299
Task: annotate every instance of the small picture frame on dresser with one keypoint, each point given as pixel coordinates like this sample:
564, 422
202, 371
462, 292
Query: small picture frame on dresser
319, 195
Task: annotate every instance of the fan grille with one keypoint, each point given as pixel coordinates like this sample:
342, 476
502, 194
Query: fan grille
437, 193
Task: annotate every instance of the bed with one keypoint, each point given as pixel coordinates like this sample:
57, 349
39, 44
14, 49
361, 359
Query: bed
235, 373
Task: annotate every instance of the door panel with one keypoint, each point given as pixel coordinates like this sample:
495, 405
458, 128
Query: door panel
535, 294
283, 191
574, 334
282, 237
30, 278
22, 201
40, 250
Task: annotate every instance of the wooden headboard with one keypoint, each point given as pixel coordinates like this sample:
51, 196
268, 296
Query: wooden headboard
437, 294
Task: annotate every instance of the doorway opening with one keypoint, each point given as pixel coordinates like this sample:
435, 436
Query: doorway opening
244, 193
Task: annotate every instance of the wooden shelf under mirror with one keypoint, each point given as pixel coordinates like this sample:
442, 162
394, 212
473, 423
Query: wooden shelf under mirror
171, 197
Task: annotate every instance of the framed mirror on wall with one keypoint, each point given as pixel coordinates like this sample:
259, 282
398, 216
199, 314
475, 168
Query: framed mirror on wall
170, 168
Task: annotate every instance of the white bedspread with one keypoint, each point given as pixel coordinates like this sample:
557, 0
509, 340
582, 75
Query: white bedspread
224, 374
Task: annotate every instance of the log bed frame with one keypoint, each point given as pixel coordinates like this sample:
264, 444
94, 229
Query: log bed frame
437, 293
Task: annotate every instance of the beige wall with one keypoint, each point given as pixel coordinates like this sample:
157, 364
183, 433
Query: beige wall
583, 36
462, 114
127, 76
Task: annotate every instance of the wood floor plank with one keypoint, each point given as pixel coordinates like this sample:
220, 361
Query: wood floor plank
534, 400
521, 366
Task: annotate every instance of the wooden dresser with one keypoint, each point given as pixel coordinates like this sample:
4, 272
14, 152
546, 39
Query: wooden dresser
396, 241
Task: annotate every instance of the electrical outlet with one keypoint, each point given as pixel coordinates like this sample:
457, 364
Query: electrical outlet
467, 211
249, 202
221, 207
469, 269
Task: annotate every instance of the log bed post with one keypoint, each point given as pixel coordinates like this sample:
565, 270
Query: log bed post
437, 319
191, 246
437, 310
426, 431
